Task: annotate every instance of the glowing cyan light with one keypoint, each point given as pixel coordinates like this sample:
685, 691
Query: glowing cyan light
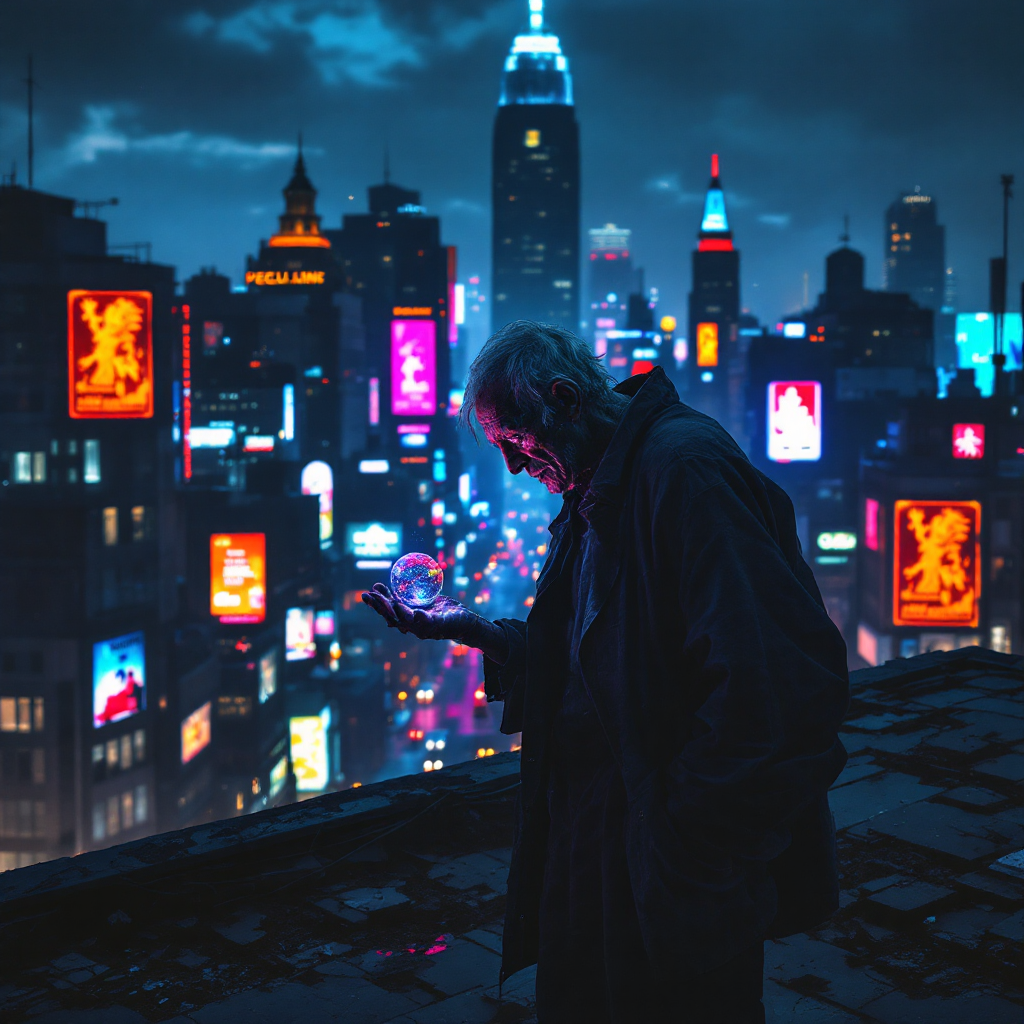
416, 579
714, 212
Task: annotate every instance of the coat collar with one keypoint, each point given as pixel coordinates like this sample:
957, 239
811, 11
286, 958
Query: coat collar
650, 395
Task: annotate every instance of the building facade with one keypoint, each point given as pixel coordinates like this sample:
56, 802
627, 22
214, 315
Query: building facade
536, 185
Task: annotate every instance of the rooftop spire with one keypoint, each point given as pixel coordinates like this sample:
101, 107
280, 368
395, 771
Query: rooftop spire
536, 70
299, 225
714, 226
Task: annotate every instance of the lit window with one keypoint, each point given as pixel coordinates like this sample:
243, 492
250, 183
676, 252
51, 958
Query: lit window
38, 720
91, 462
140, 745
532, 139
111, 753
113, 816
39, 766
24, 714
99, 821
97, 754
55, 447
110, 526
141, 805
8, 719
128, 809
72, 475
39, 467
72, 447
138, 522
23, 467
126, 752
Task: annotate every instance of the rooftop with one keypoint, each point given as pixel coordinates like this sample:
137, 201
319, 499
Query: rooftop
384, 903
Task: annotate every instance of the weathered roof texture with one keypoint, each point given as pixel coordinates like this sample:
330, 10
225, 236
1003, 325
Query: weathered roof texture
385, 903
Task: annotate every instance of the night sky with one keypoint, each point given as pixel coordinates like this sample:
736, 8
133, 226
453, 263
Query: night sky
188, 112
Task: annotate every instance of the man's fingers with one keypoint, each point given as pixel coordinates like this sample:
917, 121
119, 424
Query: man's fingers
383, 590
381, 606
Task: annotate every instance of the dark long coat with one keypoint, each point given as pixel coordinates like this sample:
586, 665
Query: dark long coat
718, 679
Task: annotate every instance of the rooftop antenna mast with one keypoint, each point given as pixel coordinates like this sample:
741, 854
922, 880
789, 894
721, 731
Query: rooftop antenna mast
30, 82
845, 236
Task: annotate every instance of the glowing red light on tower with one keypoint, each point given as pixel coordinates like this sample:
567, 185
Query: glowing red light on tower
714, 165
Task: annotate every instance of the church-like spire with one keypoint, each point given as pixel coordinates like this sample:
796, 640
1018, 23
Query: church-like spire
536, 70
714, 226
299, 225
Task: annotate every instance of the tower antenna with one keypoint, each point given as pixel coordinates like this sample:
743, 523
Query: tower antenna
845, 236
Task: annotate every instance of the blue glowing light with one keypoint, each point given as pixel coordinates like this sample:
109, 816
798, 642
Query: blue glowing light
714, 212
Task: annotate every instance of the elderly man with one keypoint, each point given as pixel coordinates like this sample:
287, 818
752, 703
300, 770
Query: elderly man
678, 685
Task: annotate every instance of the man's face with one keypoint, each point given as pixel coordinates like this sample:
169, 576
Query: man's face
536, 450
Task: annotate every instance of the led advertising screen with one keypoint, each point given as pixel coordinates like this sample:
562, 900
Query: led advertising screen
323, 624
110, 355
413, 367
707, 344
118, 678
794, 421
238, 577
968, 440
975, 342
268, 676
195, 733
936, 563
299, 643
373, 540
309, 751
318, 478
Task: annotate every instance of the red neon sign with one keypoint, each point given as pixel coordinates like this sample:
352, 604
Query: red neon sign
968, 440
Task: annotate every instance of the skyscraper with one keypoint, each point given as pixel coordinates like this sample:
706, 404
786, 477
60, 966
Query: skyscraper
715, 375
612, 278
915, 250
536, 184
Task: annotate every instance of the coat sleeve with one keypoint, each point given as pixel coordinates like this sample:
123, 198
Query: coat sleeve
763, 669
507, 682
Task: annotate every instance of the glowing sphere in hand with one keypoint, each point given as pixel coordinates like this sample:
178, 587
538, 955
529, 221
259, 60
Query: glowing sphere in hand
416, 579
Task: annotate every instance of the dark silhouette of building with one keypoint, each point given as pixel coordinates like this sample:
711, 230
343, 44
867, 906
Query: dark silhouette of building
87, 538
715, 362
536, 185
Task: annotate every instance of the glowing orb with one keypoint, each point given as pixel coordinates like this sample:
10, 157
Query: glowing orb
416, 579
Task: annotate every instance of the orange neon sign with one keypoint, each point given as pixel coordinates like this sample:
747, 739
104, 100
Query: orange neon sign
936, 563
299, 242
412, 311
110, 355
264, 278
238, 577
707, 344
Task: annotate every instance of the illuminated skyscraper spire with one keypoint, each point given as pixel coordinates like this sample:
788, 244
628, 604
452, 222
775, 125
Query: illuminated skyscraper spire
299, 225
536, 70
714, 226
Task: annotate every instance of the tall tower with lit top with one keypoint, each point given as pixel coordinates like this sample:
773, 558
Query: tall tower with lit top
299, 225
536, 184
715, 366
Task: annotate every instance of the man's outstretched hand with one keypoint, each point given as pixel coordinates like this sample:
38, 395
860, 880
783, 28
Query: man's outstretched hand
445, 619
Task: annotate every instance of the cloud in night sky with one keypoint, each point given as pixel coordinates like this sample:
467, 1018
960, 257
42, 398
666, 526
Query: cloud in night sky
188, 113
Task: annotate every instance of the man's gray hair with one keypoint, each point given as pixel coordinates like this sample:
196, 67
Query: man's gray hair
516, 367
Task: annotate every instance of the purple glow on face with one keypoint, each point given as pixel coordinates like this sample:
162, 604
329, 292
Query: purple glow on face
413, 367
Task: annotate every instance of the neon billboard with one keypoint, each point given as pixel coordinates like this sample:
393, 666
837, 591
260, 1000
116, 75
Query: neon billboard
110, 355
707, 344
299, 644
238, 577
936, 563
318, 478
308, 735
118, 679
968, 440
373, 540
195, 733
413, 367
794, 421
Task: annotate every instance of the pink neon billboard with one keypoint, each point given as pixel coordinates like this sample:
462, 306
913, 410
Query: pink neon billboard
413, 367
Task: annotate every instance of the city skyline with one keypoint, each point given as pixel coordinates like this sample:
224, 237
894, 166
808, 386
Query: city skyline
198, 151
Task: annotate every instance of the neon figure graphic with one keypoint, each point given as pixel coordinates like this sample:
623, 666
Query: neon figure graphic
413, 366
968, 440
937, 566
794, 421
110, 360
